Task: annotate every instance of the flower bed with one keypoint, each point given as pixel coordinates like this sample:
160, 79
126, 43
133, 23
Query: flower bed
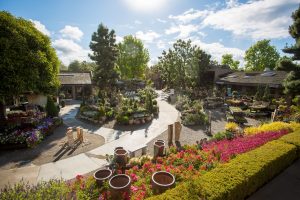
29, 136
191, 163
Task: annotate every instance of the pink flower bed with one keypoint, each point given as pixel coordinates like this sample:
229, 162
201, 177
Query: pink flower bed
226, 149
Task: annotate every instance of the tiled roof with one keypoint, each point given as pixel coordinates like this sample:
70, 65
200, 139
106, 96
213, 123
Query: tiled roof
254, 78
73, 78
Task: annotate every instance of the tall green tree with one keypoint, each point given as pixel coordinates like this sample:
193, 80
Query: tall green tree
292, 81
261, 55
84, 66
28, 62
74, 66
227, 59
183, 65
105, 54
133, 58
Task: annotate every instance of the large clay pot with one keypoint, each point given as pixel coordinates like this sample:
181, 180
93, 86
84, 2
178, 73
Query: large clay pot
159, 147
162, 181
119, 185
121, 157
102, 175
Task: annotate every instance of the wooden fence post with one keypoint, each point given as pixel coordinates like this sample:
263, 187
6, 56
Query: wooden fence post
170, 134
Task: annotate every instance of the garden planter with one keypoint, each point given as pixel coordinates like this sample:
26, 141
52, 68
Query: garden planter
118, 148
130, 122
102, 175
119, 186
159, 147
121, 157
162, 181
137, 121
103, 118
148, 119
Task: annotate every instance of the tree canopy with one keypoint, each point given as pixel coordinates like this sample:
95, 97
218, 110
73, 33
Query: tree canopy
133, 58
261, 55
84, 66
292, 81
105, 54
227, 59
183, 65
28, 62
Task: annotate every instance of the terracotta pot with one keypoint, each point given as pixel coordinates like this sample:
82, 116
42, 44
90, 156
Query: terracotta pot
162, 181
159, 147
118, 148
130, 122
102, 175
119, 184
121, 156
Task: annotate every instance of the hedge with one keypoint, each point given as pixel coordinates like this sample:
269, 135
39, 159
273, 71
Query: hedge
293, 138
240, 177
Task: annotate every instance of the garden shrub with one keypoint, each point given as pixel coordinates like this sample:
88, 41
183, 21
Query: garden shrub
240, 177
293, 138
231, 126
274, 126
51, 109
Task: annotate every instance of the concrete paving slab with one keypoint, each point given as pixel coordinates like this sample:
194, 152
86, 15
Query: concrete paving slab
49, 171
71, 167
11, 176
100, 162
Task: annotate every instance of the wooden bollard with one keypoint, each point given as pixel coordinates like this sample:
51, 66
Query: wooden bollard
70, 138
170, 134
81, 135
78, 132
178, 128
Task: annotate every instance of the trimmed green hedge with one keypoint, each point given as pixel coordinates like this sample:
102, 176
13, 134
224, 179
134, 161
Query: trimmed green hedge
293, 138
240, 177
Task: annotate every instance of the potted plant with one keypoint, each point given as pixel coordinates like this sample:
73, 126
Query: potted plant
162, 181
119, 186
102, 175
159, 147
121, 157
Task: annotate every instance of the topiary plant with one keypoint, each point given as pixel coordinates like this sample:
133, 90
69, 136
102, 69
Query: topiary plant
51, 109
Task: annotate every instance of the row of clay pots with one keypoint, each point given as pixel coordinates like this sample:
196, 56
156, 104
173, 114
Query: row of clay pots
121, 183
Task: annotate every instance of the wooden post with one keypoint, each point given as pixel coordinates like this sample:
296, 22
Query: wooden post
81, 135
70, 138
178, 128
170, 134
78, 132
273, 116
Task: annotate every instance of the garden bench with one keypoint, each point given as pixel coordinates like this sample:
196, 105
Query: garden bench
132, 150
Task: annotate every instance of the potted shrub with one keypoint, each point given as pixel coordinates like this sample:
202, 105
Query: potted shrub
102, 175
119, 186
162, 181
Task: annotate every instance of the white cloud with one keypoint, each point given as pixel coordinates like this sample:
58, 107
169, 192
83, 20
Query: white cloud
257, 19
71, 32
41, 27
217, 49
119, 39
147, 37
190, 15
232, 3
161, 20
68, 51
183, 30
137, 22
161, 44
153, 61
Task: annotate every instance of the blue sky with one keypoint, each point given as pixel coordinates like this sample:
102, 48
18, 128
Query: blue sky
219, 27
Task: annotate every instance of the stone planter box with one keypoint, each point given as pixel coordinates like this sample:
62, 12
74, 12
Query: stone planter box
119, 184
102, 175
162, 181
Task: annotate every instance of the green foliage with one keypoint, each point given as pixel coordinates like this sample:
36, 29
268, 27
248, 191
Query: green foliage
76, 66
227, 59
261, 55
133, 58
267, 94
259, 93
222, 135
104, 54
240, 177
183, 65
28, 62
293, 138
51, 109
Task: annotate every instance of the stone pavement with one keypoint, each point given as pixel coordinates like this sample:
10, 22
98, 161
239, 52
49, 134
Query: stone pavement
87, 162
284, 186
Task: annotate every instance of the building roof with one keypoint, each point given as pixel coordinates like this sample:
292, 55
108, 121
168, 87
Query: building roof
74, 78
271, 78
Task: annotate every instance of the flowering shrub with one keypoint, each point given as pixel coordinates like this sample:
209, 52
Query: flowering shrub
226, 149
231, 126
274, 126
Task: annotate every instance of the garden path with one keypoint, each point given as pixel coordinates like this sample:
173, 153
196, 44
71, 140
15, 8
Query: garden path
87, 162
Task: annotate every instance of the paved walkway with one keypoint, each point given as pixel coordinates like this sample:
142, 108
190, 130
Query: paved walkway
90, 161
